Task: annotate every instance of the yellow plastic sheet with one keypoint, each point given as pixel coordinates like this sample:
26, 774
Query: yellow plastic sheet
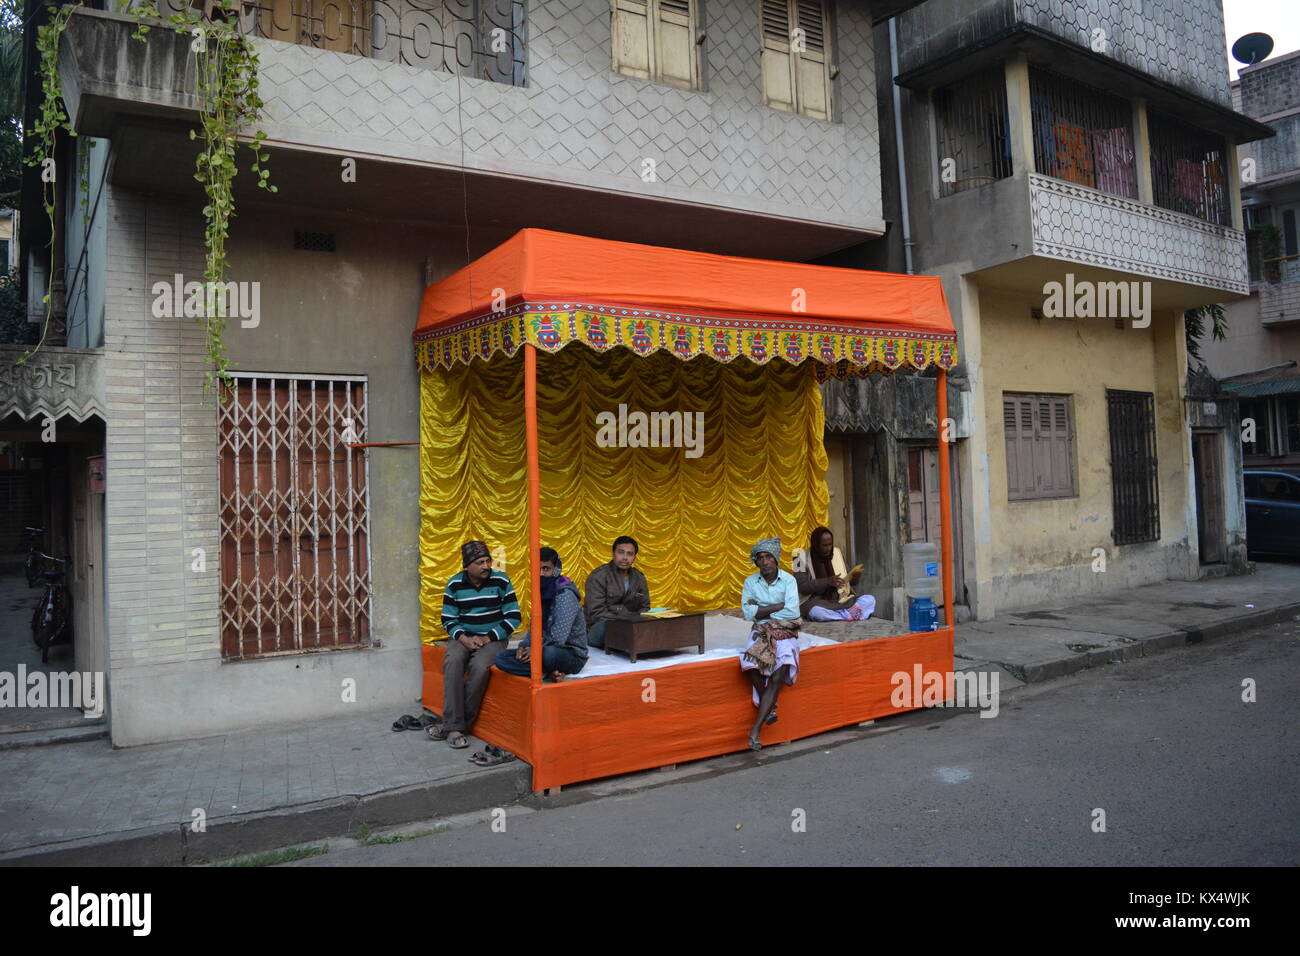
760, 471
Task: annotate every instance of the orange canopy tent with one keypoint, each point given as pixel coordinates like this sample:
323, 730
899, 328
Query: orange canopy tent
541, 291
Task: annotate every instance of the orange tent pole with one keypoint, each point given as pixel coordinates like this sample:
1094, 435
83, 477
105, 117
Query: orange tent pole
945, 500
534, 516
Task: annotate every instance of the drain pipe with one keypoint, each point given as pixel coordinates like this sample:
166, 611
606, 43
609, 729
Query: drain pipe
898, 143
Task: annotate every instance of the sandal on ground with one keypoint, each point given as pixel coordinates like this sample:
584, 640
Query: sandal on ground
406, 722
456, 740
436, 731
490, 756
428, 720
754, 744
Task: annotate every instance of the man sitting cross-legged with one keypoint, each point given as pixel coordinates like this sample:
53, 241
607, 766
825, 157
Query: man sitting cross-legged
479, 612
825, 587
564, 631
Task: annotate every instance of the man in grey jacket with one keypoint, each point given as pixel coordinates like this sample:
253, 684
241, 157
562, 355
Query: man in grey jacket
564, 632
615, 590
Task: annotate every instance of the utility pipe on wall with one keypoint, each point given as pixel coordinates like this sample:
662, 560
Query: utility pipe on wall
898, 144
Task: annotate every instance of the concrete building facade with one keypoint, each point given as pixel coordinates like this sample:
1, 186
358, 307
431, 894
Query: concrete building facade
395, 165
1092, 147
1259, 358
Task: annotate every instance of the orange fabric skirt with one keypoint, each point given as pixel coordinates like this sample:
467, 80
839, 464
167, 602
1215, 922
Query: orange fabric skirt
601, 726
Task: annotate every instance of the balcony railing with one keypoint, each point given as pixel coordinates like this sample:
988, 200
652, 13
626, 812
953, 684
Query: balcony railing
1282, 269
475, 38
1078, 224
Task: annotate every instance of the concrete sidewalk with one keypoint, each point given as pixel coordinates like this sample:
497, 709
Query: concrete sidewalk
85, 803
88, 804
1040, 643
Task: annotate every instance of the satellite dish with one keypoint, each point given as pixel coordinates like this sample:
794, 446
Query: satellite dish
1252, 48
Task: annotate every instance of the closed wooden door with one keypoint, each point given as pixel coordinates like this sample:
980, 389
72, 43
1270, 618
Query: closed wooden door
840, 485
1210, 524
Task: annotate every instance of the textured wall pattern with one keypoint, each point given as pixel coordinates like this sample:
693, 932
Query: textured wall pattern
1178, 41
1083, 225
1268, 90
579, 123
1271, 87
160, 448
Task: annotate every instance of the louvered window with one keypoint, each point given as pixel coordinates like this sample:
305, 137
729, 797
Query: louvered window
1040, 446
655, 40
796, 56
1134, 473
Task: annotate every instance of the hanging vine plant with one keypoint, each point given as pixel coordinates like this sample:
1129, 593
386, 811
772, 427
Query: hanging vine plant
229, 103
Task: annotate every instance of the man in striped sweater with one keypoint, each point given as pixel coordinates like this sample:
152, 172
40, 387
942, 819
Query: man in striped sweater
479, 612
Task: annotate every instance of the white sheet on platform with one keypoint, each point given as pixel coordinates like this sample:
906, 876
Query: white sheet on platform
724, 636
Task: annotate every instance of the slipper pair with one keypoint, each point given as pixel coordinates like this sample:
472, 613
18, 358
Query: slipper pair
490, 756
456, 739
407, 722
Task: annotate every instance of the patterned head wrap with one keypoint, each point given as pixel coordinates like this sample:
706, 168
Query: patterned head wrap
771, 545
471, 551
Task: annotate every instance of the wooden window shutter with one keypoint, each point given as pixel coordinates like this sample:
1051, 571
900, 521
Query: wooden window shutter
778, 65
1011, 425
630, 38
812, 76
1061, 442
1044, 478
1018, 414
675, 43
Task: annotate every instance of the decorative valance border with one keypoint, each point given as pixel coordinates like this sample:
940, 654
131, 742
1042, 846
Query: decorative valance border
845, 349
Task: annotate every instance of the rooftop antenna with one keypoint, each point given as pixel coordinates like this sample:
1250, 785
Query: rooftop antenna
1252, 48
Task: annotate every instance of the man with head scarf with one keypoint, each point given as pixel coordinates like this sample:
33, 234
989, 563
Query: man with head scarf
479, 613
769, 599
564, 630
825, 587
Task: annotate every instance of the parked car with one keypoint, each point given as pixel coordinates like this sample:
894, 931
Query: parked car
1272, 512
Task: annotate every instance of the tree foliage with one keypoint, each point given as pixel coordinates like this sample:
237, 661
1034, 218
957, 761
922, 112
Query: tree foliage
1194, 320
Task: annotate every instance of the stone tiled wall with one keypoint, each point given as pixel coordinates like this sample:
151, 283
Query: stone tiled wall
1267, 90
1178, 41
577, 122
1271, 87
161, 499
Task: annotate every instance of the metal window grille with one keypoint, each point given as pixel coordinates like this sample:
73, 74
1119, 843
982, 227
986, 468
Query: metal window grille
1255, 219
295, 540
1135, 494
972, 134
479, 38
1082, 135
1188, 170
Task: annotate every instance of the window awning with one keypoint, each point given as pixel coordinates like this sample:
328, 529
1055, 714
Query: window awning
551, 288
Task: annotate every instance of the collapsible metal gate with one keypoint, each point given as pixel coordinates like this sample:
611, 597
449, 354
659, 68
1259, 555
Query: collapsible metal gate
295, 537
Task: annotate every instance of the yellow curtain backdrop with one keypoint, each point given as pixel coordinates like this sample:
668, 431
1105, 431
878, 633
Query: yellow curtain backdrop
761, 471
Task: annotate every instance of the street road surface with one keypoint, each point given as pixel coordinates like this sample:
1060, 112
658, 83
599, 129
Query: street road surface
1184, 770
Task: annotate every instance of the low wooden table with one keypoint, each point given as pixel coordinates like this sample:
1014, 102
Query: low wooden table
641, 634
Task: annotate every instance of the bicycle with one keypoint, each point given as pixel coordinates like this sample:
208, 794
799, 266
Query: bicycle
32, 537
52, 621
